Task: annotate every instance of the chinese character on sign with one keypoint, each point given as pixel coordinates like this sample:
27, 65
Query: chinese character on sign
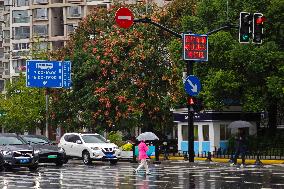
195, 47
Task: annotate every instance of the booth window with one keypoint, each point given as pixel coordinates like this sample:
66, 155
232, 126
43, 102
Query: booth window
225, 132
185, 133
205, 130
195, 132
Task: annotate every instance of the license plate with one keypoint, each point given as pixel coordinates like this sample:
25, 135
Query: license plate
24, 160
109, 155
52, 156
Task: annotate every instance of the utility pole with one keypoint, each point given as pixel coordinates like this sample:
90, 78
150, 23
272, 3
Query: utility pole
190, 114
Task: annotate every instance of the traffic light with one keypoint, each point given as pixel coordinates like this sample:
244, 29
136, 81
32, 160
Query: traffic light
191, 101
195, 104
258, 20
245, 27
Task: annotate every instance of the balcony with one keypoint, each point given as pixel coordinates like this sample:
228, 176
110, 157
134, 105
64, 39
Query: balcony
75, 1
21, 3
40, 2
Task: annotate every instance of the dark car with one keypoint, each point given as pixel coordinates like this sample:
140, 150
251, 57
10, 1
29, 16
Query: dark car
15, 152
48, 152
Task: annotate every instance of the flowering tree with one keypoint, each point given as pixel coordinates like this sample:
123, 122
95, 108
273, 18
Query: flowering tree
121, 77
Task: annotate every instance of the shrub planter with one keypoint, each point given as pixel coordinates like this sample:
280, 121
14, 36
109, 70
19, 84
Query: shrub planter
126, 154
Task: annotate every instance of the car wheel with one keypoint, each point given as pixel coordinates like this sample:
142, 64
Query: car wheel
7, 167
65, 160
2, 168
33, 167
59, 163
113, 162
86, 158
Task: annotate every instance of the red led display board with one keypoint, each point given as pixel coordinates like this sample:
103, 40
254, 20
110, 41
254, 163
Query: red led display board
195, 47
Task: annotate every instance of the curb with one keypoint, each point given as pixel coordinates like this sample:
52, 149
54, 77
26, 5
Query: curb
223, 160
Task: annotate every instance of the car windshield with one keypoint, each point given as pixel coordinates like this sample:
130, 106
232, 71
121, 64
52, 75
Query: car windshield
11, 140
36, 140
93, 139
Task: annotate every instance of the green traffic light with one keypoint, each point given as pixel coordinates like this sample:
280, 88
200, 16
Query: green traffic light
245, 37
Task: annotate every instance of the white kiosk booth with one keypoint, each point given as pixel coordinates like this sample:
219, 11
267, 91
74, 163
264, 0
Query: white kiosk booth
211, 130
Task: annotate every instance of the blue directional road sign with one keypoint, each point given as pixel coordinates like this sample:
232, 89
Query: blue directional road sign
192, 85
48, 74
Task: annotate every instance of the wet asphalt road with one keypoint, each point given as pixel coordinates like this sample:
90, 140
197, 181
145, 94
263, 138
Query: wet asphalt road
168, 175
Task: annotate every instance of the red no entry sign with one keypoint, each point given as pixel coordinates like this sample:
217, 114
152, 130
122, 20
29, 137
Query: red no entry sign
124, 17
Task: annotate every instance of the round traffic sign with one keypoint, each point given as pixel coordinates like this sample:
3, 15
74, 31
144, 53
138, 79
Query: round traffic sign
192, 85
124, 17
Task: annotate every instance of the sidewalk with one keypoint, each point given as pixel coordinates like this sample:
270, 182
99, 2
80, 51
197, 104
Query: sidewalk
225, 160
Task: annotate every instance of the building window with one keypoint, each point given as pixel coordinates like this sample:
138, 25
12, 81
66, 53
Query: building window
40, 1
20, 3
25, 46
22, 32
40, 46
16, 46
1, 85
6, 65
40, 30
205, 131
21, 16
20, 46
41, 14
18, 65
71, 28
74, 11
6, 34
225, 132
7, 2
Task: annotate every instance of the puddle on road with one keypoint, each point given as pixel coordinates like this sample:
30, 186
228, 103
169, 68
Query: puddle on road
121, 177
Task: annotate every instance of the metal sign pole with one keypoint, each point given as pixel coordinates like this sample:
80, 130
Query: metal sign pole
46, 108
190, 112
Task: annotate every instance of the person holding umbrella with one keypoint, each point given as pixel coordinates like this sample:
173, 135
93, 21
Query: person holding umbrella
142, 148
240, 147
240, 142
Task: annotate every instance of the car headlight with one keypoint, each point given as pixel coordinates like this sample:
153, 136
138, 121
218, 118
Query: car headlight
36, 151
61, 150
115, 148
95, 148
6, 153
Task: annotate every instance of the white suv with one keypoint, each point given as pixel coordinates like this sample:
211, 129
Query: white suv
89, 146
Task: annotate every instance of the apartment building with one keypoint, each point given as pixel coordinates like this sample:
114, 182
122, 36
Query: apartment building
46, 23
